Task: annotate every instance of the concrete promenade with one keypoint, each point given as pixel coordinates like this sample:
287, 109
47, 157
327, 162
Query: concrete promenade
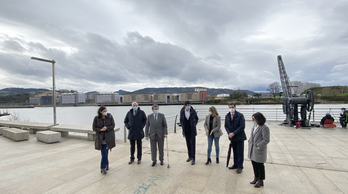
299, 161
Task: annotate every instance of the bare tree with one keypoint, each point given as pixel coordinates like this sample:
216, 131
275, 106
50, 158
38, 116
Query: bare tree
274, 89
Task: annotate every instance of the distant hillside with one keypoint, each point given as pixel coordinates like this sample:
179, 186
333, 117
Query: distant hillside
121, 92
14, 91
93, 92
330, 91
186, 89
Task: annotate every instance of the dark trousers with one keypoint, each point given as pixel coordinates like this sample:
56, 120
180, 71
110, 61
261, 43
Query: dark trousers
259, 170
238, 154
132, 149
104, 160
191, 146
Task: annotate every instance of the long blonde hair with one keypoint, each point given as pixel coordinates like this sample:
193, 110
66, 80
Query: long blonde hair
214, 112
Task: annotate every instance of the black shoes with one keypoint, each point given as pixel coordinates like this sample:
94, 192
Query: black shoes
107, 168
233, 167
103, 171
239, 170
188, 159
259, 184
254, 181
154, 163
130, 162
217, 160
208, 161
193, 162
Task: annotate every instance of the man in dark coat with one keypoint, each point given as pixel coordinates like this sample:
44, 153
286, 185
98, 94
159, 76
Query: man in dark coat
188, 121
344, 117
135, 121
234, 125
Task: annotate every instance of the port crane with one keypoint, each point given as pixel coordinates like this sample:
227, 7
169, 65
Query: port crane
291, 102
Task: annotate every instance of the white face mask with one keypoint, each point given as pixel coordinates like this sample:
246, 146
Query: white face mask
232, 110
209, 113
105, 113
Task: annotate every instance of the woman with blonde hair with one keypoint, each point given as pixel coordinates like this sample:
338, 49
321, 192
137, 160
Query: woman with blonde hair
213, 131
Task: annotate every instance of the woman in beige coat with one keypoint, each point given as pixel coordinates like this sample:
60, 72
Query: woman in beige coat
257, 153
213, 131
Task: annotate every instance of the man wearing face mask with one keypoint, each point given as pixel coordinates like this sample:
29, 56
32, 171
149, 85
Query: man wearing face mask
344, 117
234, 125
188, 121
156, 129
135, 121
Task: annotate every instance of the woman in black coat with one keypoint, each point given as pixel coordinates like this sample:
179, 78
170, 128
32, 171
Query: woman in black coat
104, 126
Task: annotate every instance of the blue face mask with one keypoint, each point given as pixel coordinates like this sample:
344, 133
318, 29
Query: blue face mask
135, 108
255, 123
156, 112
188, 107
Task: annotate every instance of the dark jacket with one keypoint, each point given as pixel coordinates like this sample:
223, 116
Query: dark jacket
109, 134
326, 117
236, 126
135, 124
193, 122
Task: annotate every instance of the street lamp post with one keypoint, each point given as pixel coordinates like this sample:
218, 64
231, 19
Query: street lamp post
54, 86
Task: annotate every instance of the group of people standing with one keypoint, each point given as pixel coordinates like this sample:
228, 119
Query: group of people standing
156, 130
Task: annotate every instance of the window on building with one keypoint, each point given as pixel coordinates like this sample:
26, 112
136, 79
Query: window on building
146, 97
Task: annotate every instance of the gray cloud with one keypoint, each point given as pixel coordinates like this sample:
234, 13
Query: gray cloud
107, 46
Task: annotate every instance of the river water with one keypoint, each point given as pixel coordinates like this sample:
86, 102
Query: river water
83, 115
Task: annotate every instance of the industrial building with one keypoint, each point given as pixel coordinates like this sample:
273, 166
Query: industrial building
101, 98
72, 98
199, 95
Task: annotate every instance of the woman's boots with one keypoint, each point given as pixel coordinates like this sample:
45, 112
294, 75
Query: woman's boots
217, 160
255, 180
208, 161
259, 184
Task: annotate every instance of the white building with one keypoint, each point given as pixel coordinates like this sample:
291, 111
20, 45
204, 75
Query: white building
80, 98
68, 98
107, 98
301, 87
222, 95
73, 98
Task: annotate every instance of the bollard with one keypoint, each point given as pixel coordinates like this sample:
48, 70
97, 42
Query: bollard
125, 134
175, 123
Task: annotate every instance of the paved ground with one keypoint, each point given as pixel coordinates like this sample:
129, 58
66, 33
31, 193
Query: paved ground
299, 161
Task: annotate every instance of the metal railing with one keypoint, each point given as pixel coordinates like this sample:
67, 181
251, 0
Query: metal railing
271, 114
275, 114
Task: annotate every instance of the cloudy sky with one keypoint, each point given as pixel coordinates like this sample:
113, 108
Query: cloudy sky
126, 44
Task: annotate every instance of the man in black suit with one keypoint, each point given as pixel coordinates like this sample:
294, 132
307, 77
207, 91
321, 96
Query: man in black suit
188, 121
234, 125
135, 121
